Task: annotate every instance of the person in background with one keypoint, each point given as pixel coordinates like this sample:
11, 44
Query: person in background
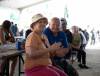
28, 31
6, 36
76, 46
68, 35
86, 35
92, 37
14, 28
83, 39
21, 32
37, 61
98, 35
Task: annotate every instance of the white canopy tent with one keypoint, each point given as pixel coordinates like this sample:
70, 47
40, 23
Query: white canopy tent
80, 12
20, 4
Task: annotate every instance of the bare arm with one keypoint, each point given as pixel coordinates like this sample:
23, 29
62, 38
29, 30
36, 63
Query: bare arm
2, 39
41, 52
12, 39
38, 52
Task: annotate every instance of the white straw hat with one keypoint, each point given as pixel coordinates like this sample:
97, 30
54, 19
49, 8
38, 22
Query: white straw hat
37, 17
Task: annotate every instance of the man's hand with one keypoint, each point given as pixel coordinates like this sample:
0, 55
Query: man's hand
62, 52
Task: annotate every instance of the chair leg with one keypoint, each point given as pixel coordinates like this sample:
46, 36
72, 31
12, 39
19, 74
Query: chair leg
72, 57
20, 59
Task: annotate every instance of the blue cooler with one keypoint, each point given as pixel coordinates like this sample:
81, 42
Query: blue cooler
18, 45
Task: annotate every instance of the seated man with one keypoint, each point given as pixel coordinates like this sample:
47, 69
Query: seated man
68, 34
54, 35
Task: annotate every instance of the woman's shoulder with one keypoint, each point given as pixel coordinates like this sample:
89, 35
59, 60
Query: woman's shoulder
32, 36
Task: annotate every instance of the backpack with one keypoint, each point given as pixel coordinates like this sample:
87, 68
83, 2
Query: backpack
86, 35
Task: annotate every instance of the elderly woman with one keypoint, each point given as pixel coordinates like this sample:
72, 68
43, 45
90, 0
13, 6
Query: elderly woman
37, 62
76, 46
6, 36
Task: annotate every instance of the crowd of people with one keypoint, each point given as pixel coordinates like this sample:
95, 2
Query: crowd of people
58, 42
48, 49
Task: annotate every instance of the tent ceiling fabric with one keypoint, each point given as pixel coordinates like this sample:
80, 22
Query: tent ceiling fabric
19, 4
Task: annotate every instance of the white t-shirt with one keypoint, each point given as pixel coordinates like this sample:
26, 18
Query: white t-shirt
84, 39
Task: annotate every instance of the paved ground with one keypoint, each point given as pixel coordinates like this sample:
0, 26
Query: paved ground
93, 61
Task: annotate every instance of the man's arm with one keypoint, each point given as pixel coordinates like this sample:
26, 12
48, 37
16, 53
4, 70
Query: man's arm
64, 48
62, 52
